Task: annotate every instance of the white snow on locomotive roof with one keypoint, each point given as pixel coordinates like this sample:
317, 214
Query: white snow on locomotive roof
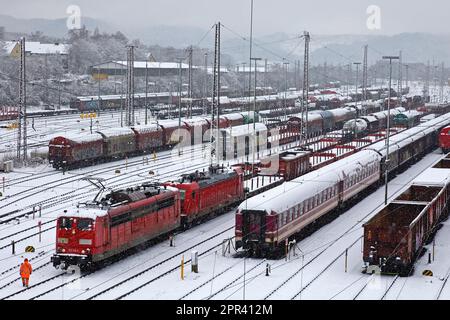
116, 132
433, 177
84, 211
294, 192
82, 137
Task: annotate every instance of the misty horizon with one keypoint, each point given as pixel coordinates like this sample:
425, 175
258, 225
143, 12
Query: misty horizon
286, 16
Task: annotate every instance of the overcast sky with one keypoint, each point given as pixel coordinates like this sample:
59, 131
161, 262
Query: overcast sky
292, 16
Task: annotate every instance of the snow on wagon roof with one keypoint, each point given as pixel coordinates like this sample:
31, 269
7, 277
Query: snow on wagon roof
411, 134
296, 191
82, 137
245, 129
115, 132
147, 128
433, 177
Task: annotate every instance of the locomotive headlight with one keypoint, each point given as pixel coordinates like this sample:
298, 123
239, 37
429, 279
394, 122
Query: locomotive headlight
63, 250
83, 252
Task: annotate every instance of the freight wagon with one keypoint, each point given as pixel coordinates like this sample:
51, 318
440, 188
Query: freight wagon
394, 237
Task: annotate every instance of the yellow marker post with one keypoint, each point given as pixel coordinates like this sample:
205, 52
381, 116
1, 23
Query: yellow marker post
182, 267
154, 156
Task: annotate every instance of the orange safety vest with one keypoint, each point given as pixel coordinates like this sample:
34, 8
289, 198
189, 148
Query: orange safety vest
25, 270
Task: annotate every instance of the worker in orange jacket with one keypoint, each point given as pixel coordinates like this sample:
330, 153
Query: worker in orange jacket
25, 271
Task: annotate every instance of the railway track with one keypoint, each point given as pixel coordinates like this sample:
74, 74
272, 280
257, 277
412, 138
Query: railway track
231, 283
72, 179
144, 271
58, 202
323, 270
210, 280
389, 288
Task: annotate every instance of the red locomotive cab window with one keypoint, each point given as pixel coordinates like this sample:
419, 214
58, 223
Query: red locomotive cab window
65, 223
85, 224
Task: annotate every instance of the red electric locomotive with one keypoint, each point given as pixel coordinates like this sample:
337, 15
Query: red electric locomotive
119, 221
444, 139
204, 193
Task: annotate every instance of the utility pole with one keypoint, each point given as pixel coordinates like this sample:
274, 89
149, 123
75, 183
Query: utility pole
98, 90
386, 164
250, 56
435, 89
180, 88
189, 113
441, 86
22, 114
254, 122
215, 107
285, 65
121, 95
146, 89
356, 104
305, 91
406, 75
130, 87
205, 86
426, 87
364, 76
265, 76
400, 75
349, 72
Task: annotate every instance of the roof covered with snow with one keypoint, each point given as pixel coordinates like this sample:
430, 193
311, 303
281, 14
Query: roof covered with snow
35, 47
296, 191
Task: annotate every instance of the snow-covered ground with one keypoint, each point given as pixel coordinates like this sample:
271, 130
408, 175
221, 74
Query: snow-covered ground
222, 276
316, 271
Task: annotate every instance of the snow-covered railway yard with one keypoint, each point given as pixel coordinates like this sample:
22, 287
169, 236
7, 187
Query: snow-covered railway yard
154, 273
325, 265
